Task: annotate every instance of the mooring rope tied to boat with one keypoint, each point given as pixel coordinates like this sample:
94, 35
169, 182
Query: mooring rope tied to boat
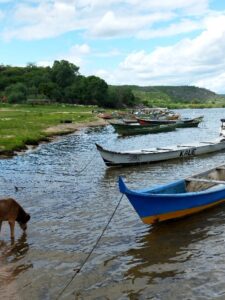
78, 270
87, 164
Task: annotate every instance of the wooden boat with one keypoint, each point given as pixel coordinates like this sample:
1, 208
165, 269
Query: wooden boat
178, 199
150, 155
130, 121
135, 128
222, 128
185, 122
105, 116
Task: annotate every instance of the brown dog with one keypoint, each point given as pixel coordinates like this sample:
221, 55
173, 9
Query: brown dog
11, 211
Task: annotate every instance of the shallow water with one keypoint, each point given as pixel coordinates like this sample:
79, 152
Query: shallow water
71, 195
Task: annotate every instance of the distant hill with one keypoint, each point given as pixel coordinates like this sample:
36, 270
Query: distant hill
177, 96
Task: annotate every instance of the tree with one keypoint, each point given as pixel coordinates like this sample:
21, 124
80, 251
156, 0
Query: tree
120, 96
16, 93
63, 73
96, 90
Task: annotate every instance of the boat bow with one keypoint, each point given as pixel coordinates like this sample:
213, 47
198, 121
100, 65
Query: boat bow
122, 187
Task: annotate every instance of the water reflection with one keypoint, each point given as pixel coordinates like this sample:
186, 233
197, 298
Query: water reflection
11, 253
69, 209
165, 250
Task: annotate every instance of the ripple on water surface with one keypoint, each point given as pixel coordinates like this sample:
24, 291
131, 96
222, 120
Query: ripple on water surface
71, 196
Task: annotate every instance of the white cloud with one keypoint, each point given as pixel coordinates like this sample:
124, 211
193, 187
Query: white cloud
47, 19
111, 25
77, 54
190, 6
199, 61
184, 26
42, 19
83, 49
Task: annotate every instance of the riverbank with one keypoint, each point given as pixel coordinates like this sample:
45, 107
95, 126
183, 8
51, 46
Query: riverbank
26, 126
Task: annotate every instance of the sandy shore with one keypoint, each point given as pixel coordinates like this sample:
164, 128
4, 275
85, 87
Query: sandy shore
71, 127
55, 132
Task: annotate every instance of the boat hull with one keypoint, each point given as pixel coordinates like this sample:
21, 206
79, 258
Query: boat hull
171, 201
179, 214
134, 129
113, 158
182, 123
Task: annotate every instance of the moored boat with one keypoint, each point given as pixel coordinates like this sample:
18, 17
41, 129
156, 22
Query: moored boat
184, 122
134, 128
178, 199
150, 155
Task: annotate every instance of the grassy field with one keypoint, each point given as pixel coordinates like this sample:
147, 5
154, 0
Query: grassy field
22, 125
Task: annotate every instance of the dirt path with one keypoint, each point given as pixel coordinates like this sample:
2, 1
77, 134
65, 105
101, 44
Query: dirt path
71, 127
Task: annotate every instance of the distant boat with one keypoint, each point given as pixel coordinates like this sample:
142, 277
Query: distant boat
184, 122
178, 199
105, 116
134, 128
150, 155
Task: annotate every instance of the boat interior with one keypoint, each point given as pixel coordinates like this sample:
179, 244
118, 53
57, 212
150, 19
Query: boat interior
207, 180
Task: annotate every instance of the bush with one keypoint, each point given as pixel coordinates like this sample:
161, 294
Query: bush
16, 93
16, 97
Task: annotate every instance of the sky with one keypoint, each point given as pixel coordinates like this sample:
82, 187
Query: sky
151, 42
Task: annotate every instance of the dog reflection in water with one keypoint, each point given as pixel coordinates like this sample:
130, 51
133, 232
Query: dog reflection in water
11, 211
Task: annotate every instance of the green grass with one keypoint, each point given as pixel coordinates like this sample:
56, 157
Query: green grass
25, 124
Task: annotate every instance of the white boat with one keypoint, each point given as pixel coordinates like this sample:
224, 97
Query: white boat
122, 158
222, 128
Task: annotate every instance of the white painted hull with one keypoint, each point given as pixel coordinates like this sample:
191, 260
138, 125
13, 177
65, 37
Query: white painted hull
113, 158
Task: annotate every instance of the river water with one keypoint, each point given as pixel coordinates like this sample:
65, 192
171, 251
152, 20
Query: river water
71, 195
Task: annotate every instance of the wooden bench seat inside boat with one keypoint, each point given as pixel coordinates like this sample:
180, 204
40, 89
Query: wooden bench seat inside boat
194, 184
206, 180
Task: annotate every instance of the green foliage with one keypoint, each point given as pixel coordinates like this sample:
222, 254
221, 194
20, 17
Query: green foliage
61, 83
16, 93
119, 97
63, 73
177, 96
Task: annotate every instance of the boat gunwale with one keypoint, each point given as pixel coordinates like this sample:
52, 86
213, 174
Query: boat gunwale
146, 193
158, 151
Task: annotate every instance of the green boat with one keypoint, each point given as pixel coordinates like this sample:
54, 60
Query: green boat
132, 129
181, 123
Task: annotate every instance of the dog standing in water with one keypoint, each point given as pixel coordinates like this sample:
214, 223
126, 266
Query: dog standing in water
11, 211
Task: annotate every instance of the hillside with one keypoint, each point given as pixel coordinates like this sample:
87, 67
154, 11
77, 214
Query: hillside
177, 96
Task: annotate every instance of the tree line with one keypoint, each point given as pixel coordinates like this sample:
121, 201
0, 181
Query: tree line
60, 83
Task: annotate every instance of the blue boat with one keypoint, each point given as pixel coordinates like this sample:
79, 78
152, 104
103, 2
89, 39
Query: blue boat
178, 199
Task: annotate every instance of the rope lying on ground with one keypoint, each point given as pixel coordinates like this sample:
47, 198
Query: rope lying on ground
78, 270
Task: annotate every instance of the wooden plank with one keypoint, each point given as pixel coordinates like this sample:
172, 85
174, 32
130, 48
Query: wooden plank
167, 149
205, 180
149, 151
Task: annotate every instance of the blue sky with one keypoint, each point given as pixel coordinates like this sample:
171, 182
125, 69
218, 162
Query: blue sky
168, 42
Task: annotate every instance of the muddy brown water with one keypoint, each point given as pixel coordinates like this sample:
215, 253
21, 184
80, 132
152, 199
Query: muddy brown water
71, 195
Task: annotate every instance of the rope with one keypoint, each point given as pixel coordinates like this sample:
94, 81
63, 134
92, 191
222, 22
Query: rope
44, 173
88, 163
78, 270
